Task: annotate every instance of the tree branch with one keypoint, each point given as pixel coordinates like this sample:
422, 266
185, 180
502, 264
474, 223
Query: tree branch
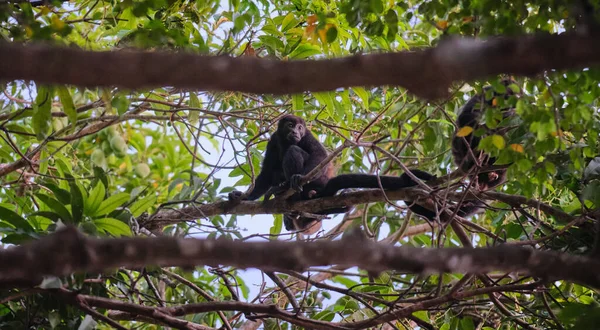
181, 310
68, 251
426, 73
276, 206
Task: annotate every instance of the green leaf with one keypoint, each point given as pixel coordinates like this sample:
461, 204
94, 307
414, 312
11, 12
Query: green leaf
391, 18
297, 102
95, 199
67, 103
111, 203
47, 214
498, 141
57, 206
16, 239
42, 112
121, 103
99, 174
43, 161
61, 194
142, 205
274, 43
423, 315
325, 315
113, 226
277, 226
5, 155
326, 99
304, 51
363, 94
288, 22
591, 192
194, 115
331, 34
376, 6
347, 282
76, 200
467, 324
14, 219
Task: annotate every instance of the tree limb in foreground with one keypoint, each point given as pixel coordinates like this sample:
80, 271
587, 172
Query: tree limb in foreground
426, 73
68, 251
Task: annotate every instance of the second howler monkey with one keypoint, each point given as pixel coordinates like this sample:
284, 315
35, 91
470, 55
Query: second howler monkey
464, 149
345, 181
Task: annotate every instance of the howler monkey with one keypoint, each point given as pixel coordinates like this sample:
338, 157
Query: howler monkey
464, 149
291, 153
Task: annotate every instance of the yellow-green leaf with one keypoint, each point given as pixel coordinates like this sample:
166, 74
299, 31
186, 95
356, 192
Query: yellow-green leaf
363, 94
110, 204
498, 141
194, 115
464, 131
288, 22
304, 51
297, 102
142, 205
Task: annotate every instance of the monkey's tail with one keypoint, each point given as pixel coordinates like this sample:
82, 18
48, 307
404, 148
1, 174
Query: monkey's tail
345, 181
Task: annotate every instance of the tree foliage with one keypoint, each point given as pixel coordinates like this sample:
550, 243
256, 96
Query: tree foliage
103, 159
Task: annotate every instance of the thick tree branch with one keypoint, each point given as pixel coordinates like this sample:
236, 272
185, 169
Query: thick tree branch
275, 206
426, 73
69, 251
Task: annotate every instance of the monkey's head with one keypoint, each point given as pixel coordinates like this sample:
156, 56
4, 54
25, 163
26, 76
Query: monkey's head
291, 128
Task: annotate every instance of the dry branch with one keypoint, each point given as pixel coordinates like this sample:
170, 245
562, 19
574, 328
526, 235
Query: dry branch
426, 73
68, 251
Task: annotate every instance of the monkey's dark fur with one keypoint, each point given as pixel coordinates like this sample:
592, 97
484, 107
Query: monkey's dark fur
291, 153
423, 208
464, 149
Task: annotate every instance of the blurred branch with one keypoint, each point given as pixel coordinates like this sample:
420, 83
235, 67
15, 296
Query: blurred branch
68, 251
426, 73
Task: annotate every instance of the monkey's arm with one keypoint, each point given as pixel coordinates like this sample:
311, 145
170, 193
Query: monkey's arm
299, 160
316, 153
264, 180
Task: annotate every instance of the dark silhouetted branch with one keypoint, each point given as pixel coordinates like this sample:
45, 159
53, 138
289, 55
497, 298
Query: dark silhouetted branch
68, 251
426, 73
